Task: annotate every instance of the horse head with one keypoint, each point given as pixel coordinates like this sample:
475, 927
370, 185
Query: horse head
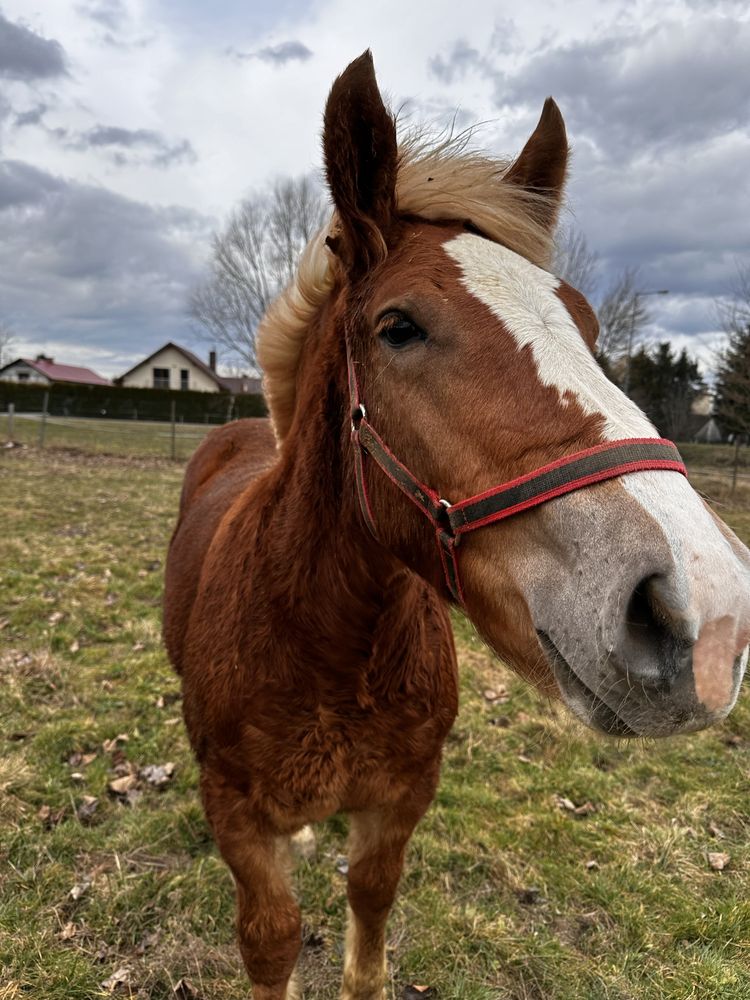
475, 365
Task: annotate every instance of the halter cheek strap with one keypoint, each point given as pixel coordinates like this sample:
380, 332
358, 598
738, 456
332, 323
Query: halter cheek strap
450, 521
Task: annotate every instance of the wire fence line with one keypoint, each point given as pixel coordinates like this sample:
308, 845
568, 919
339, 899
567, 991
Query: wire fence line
174, 439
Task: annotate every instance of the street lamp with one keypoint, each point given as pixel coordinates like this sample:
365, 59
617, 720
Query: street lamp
631, 332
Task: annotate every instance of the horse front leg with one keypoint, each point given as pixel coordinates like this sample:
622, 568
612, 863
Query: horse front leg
268, 917
377, 843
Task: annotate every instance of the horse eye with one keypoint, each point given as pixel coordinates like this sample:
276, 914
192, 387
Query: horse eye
400, 331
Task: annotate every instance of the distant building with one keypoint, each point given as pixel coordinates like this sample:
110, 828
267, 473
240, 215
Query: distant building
44, 371
174, 367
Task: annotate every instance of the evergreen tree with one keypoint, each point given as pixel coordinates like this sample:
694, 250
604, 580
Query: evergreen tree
665, 386
733, 384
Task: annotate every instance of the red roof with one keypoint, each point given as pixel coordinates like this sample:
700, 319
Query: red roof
67, 373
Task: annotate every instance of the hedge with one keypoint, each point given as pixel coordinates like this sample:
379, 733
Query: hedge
126, 403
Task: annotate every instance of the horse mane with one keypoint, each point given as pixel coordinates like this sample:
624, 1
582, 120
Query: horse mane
441, 181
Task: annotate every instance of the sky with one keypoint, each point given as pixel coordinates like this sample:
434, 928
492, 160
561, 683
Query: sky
129, 130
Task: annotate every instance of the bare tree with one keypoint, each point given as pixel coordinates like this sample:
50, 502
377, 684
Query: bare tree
253, 258
7, 340
622, 315
574, 262
734, 310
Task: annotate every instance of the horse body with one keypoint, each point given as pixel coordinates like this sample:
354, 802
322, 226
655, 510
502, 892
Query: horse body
318, 666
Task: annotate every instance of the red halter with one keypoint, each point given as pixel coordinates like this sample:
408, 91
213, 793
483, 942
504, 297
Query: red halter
452, 520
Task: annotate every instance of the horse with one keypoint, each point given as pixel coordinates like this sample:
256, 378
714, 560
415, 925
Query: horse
442, 435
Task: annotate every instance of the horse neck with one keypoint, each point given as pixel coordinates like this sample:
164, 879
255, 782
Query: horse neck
338, 580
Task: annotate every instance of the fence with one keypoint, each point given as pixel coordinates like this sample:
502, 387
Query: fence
175, 438
117, 420
127, 403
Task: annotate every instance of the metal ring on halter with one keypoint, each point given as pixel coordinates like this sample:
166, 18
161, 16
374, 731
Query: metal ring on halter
359, 413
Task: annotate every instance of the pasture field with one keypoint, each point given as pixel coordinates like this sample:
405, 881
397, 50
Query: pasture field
554, 865
108, 437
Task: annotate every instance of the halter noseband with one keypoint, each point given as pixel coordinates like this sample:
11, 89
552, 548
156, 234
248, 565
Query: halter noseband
451, 521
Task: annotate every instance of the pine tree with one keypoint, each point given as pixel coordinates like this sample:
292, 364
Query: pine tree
665, 386
733, 384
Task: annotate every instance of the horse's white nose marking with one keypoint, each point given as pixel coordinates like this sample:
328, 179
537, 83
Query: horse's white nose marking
713, 658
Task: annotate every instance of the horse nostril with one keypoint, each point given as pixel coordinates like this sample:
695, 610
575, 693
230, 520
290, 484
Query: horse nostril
658, 630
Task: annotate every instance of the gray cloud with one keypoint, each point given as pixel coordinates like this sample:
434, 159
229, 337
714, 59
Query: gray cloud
131, 145
109, 13
25, 55
629, 91
82, 264
278, 55
31, 117
461, 59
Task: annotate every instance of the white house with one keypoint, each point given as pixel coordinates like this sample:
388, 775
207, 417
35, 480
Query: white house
44, 371
174, 367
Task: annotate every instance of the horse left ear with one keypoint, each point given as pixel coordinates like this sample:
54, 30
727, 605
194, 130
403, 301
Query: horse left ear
543, 162
361, 158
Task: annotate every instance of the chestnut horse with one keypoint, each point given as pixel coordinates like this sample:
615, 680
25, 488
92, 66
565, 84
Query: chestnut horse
307, 602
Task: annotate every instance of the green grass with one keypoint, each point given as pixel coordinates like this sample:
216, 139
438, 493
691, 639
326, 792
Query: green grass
107, 437
499, 898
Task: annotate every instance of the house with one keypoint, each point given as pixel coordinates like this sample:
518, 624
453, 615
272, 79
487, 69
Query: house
174, 367
44, 371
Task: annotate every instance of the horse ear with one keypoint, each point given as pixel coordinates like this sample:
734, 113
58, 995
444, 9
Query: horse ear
543, 162
361, 158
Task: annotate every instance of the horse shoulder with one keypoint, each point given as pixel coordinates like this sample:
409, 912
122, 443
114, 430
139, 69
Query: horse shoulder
228, 461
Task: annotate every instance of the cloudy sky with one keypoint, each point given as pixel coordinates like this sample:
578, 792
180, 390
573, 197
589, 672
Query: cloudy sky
130, 128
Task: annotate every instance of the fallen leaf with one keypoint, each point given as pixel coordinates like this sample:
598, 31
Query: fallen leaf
524, 759
50, 817
68, 932
87, 808
592, 865
414, 992
714, 830
109, 745
184, 990
80, 889
121, 977
74, 646
77, 776
121, 786
146, 942
718, 860
158, 775
342, 865
569, 806
55, 618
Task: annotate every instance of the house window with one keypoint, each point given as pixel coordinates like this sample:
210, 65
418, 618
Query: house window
23, 376
161, 378
184, 378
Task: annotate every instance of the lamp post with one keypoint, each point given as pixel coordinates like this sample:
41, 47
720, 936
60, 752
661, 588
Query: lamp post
631, 332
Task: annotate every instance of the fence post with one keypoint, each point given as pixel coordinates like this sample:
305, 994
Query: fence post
174, 429
43, 422
735, 463
11, 411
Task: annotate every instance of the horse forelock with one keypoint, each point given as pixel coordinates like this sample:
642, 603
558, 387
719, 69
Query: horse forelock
436, 182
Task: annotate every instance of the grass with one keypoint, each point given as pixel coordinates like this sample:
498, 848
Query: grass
506, 894
107, 437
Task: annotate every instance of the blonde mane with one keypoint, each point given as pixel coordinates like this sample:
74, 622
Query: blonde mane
438, 182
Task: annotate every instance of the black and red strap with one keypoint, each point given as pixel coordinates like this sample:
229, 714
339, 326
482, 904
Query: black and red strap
451, 521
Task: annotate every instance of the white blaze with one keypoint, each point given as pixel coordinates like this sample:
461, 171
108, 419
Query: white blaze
522, 297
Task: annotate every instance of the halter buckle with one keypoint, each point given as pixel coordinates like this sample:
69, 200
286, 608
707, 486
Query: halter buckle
359, 413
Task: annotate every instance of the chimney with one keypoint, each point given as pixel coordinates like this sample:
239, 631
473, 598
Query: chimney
43, 357
212, 360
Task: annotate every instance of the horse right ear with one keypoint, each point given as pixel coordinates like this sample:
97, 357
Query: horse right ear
361, 159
